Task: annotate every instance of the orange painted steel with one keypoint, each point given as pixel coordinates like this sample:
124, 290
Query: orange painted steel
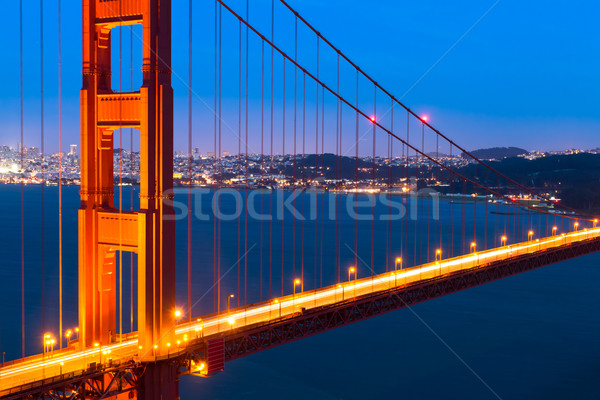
103, 230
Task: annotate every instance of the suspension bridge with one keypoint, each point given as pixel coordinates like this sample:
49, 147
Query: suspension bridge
294, 277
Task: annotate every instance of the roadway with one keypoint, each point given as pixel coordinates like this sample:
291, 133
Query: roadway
73, 359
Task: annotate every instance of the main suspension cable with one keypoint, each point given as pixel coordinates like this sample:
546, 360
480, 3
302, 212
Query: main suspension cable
363, 73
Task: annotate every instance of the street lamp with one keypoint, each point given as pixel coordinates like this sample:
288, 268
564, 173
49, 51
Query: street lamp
68, 334
576, 226
397, 261
438, 253
45, 342
503, 241
351, 271
231, 296
473, 247
177, 314
554, 229
595, 222
296, 283
530, 236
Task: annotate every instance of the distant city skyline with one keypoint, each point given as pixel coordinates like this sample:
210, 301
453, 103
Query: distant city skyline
69, 149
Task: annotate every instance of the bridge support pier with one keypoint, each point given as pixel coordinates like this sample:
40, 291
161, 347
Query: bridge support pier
160, 381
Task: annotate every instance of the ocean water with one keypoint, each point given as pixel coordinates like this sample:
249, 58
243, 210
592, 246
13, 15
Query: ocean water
531, 336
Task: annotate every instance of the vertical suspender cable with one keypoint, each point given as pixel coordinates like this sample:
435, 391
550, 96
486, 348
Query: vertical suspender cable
415, 204
429, 207
60, 156
294, 147
389, 222
303, 171
131, 160
406, 173
262, 158
316, 165
22, 184
323, 176
239, 156
485, 240
43, 177
337, 170
422, 199
339, 165
120, 178
271, 162
451, 213
356, 178
215, 156
475, 208
373, 181
282, 193
189, 217
246, 164
220, 162
440, 177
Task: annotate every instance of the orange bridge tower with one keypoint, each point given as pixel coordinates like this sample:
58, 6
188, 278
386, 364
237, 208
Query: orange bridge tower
103, 230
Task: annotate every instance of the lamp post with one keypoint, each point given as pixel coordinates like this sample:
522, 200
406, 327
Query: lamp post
576, 226
398, 261
231, 296
296, 283
473, 247
45, 340
595, 222
503, 241
554, 229
352, 270
438, 254
68, 334
529, 236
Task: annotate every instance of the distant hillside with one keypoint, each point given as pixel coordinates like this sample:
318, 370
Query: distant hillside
497, 153
574, 178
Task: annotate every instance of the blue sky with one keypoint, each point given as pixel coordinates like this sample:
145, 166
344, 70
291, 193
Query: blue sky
526, 75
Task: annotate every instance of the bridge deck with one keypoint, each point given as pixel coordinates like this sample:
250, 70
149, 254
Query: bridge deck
75, 361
